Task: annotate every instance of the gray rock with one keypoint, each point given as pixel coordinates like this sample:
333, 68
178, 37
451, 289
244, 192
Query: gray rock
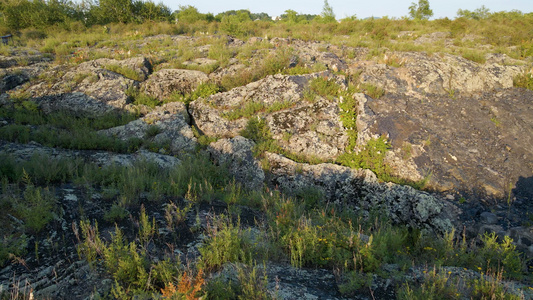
171, 120
164, 83
92, 80
488, 218
443, 74
11, 81
237, 155
287, 282
24, 152
311, 129
523, 238
402, 204
77, 103
443, 138
139, 65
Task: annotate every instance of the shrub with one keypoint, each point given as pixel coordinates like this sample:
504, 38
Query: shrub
37, 209
226, 243
436, 285
12, 245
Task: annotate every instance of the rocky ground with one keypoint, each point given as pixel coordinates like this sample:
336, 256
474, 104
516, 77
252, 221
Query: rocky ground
459, 125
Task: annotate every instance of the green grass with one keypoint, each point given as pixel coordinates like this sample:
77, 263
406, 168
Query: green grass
203, 90
301, 229
370, 157
125, 71
524, 81
66, 130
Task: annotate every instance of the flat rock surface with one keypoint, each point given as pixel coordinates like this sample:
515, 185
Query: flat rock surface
479, 144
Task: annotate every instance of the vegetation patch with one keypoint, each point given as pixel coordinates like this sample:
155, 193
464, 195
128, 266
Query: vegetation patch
125, 71
524, 81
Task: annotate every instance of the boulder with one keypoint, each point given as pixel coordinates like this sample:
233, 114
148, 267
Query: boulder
11, 81
172, 128
237, 155
140, 65
164, 83
93, 80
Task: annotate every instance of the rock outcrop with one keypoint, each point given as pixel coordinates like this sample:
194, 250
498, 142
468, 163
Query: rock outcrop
420, 74
361, 188
170, 125
309, 128
164, 83
100, 158
237, 155
476, 144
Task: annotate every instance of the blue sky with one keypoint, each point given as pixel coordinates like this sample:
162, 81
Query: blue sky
344, 8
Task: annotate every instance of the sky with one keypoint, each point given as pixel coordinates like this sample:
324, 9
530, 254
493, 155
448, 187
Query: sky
345, 8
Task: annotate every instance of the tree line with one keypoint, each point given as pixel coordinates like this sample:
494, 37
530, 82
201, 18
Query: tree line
20, 14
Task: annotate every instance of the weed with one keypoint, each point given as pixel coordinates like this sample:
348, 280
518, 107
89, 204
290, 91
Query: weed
203, 90
226, 243
188, 287
152, 131
489, 286
116, 213
524, 80
370, 157
348, 115
495, 120
246, 111
175, 215
252, 284
324, 87
406, 150
500, 255
372, 90
140, 98
147, 229
203, 140
355, 281
436, 285
474, 56
12, 245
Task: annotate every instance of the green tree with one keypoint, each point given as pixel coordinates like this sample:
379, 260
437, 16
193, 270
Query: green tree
18, 14
328, 16
149, 11
261, 16
290, 16
115, 11
478, 14
190, 14
420, 11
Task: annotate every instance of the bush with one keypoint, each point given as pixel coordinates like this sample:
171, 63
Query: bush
37, 209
